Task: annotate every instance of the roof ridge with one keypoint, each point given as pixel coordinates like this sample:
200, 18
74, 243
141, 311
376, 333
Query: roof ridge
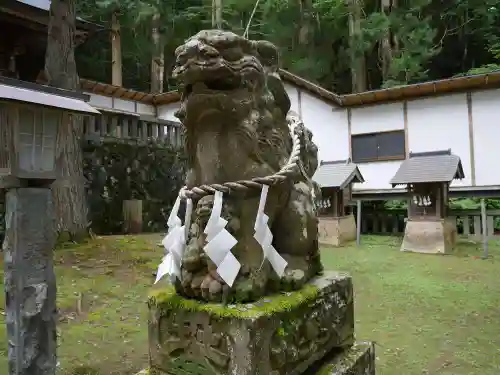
430, 153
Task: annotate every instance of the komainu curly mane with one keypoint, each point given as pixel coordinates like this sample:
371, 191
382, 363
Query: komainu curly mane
235, 111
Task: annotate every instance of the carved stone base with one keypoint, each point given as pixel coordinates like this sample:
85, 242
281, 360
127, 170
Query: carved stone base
278, 335
358, 359
336, 231
430, 236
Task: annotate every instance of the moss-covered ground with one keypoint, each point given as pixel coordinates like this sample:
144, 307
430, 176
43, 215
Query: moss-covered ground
428, 314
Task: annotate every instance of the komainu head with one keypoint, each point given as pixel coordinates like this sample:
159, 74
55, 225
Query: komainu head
224, 71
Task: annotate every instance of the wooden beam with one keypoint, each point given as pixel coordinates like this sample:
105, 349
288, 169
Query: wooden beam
349, 131
471, 140
485, 229
405, 122
358, 223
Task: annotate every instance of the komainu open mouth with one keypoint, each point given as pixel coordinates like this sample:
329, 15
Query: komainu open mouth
212, 86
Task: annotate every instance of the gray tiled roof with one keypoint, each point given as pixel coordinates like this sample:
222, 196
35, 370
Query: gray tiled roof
41, 4
435, 166
339, 173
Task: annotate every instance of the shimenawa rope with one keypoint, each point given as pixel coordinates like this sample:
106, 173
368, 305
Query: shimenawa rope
288, 170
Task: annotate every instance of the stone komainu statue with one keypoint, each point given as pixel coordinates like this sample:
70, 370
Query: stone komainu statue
235, 111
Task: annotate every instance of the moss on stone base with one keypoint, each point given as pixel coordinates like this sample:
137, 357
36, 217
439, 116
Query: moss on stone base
166, 298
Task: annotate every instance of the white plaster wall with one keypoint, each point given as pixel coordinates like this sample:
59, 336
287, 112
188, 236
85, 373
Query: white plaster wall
377, 118
124, 105
377, 175
328, 123
166, 111
100, 100
146, 109
440, 123
103, 101
293, 94
485, 115
374, 119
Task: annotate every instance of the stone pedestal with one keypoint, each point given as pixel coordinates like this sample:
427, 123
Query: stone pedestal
336, 231
432, 236
30, 284
358, 359
278, 335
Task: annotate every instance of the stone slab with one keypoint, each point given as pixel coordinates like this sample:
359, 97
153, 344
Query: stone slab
359, 359
336, 231
277, 335
429, 236
30, 283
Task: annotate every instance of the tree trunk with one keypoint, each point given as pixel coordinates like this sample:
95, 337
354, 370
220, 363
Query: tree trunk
217, 14
358, 62
306, 8
116, 51
60, 71
158, 60
388, 44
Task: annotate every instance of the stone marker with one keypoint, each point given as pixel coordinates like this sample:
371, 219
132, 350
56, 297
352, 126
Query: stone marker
258, 303
30, 283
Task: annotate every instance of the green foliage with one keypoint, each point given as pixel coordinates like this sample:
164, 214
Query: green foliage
120, 171
429, 39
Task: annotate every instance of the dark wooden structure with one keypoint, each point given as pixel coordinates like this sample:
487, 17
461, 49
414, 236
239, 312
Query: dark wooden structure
22, 53
335, 178
427, 177
30, 117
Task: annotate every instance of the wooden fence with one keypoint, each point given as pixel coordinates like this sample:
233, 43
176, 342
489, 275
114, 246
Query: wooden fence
129, 127
393, 222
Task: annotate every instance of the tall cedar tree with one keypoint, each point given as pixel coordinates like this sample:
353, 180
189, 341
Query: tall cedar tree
60, 70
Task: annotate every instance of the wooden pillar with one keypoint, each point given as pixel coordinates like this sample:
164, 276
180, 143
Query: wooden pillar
104, 125
134, 128
395, 224
335, 203
466, 225
485, 230
477, 225
358, 223
132, 216
125, 127
161, 133
113, 125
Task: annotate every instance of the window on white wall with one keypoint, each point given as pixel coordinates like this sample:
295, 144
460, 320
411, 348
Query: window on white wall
382, 146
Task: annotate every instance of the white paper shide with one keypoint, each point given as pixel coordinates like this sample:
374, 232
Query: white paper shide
175, 242
220, 242
264, 236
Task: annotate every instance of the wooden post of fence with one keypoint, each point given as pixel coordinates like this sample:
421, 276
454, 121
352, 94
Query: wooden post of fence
358, 222
132, 216
485, 228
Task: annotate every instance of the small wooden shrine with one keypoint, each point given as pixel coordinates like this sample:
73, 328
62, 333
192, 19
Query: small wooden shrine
427, 177
336, 222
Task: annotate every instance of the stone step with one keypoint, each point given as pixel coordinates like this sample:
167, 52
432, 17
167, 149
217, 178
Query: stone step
359, 359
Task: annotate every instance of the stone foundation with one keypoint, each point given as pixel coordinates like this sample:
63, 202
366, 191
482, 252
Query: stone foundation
278, 335
359, 359
430, 236
336, 231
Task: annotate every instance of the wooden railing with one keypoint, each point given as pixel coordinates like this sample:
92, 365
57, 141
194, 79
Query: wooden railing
393, 222
108, 126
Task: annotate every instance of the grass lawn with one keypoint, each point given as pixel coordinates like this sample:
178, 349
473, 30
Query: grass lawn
428, 314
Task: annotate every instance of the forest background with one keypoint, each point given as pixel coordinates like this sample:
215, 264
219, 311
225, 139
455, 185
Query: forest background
342, 45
